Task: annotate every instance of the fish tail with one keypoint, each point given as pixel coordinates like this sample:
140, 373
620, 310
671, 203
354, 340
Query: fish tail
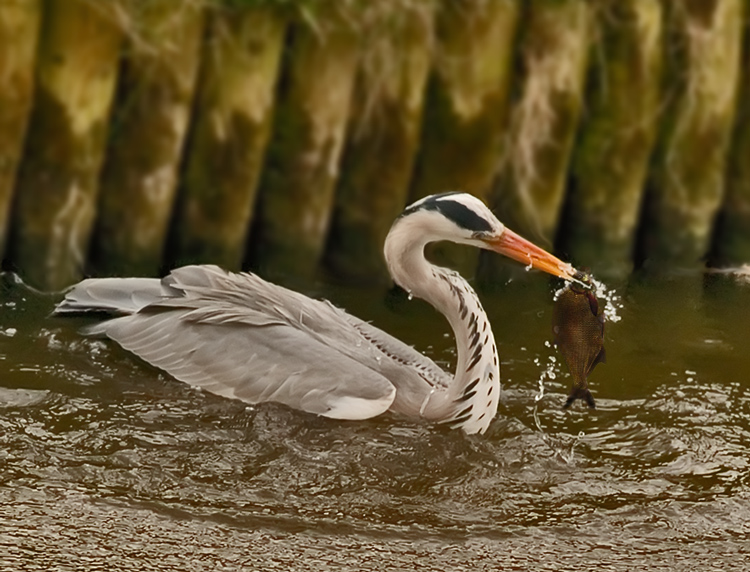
580, 393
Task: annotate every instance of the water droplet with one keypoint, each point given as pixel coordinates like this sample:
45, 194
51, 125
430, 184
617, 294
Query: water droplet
410, 296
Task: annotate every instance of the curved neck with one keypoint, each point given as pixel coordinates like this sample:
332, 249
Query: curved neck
474, 394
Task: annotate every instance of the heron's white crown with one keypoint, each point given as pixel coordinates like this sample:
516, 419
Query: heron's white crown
457, 217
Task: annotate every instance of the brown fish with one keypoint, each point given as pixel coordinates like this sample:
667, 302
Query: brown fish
578, 328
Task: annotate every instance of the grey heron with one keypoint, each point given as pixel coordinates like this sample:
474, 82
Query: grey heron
236, 335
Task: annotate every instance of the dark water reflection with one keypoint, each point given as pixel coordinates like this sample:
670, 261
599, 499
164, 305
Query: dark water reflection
107, 464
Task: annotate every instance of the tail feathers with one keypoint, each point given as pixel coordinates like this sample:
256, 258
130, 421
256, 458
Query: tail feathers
580, 392
112, 295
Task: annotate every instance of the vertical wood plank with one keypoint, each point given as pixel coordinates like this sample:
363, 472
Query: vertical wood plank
58, 179
146, 139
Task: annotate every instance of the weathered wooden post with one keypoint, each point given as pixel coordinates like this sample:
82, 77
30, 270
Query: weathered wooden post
19, 30
687, 183
732, 239
467, 100
57, 181
530, 189
146, 137
382, 137
617, 137
297, 184
231, 127
466, 107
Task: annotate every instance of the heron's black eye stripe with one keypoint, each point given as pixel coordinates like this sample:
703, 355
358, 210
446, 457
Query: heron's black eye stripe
459, 213
462, 215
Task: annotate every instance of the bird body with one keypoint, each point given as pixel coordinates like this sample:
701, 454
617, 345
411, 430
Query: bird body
239, 336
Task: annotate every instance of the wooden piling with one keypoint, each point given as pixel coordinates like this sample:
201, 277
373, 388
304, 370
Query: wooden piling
732, 239
230, 133
467, 99
554, 58
297, 184
554, 51
19, 31
617, 137
57, 181
382, 137
146, 137
687, 182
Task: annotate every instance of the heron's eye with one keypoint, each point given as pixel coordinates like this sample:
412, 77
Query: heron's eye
481, 235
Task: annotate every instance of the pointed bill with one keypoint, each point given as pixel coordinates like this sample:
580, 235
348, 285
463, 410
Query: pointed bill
518, 248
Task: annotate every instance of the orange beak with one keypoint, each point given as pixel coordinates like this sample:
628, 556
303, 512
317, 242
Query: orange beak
518, 248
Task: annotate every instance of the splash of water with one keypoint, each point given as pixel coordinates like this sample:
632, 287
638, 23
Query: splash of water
548, 373
612, 301
563, 449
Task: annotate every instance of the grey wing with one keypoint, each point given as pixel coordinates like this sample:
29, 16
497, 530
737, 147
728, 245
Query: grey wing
240, 336
271, 362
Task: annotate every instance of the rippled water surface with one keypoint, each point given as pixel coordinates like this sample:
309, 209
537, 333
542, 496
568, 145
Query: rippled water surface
107, 464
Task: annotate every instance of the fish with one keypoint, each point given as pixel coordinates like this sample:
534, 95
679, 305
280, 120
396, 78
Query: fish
578, 329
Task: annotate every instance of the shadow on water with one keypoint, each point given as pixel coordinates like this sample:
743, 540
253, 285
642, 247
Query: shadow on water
104, 457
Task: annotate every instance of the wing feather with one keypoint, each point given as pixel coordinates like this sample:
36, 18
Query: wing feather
285, 365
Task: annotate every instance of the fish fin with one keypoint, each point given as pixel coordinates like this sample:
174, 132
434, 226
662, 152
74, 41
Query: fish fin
580, 393
601, 357
593, 303
556, 335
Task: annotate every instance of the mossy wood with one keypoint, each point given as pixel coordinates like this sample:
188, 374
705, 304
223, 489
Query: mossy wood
19, 31
732, 239
687, 183
382, 138
301, 168
57, 183
553, 59
230, 133
146, 136
466, 107
617, 136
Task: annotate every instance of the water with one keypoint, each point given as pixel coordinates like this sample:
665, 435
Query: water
105, 463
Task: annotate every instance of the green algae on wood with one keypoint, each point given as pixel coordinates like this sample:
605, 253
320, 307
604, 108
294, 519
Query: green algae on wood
466, 106
732, 237
57, 182
687, 183
529, 191
19, 30
617, 136
146, 137
554, 58
230, 133
301, 168
382, 138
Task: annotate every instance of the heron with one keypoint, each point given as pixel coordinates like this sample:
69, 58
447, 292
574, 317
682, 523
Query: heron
239, 336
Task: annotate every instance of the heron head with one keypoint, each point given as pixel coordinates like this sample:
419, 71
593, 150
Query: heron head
465, 219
